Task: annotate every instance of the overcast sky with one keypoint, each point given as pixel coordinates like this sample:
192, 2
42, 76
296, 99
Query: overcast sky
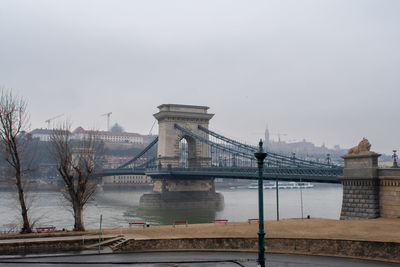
324, 70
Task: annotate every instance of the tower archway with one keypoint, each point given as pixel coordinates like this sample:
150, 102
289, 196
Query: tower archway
169, 138
188, 153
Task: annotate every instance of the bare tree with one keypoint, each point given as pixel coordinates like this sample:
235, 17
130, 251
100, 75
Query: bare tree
13, 123
78, 163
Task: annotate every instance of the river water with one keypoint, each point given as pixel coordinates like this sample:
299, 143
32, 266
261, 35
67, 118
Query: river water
120, 207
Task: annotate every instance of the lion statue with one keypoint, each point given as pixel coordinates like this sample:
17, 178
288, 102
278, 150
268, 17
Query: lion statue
363, 147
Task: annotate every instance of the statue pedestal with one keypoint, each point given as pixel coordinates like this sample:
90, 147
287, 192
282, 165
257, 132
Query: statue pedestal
360, 186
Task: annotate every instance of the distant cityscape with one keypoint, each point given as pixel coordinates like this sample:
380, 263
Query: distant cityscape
305, 150
120, 147
309, 151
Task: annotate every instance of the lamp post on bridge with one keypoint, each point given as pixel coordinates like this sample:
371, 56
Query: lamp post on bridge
395, 157
260, 155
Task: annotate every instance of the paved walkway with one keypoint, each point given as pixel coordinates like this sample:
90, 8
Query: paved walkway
191, 259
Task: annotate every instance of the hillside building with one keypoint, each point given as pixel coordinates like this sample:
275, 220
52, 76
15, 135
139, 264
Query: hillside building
112, 137
115, 161
106, 136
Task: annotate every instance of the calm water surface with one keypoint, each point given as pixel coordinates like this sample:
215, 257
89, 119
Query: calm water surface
120, 207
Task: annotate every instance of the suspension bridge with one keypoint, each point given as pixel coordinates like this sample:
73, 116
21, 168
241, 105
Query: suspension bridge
207, 154
190, 156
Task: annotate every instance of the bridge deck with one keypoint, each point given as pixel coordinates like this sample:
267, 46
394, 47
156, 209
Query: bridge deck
328, 175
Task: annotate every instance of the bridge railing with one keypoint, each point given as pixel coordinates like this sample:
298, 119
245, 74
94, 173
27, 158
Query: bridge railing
307, 174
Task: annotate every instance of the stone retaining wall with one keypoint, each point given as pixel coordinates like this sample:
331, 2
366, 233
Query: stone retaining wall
360, 199
388, 251
389, 194
32, 246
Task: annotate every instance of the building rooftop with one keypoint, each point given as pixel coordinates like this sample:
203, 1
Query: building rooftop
80, 130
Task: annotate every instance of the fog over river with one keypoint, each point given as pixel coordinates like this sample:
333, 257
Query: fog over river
120, 207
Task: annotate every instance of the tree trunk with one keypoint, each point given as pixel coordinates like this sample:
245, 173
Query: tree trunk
26, 228
78, 216
13, 119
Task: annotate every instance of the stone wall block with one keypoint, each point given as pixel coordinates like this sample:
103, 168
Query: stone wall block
360, 186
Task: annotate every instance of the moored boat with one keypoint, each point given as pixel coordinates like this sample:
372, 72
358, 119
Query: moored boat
282, 185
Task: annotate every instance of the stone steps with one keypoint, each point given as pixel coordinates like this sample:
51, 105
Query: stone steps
105, 243
118, 244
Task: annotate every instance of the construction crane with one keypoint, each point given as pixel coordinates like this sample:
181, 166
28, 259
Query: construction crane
108, 119
49, 120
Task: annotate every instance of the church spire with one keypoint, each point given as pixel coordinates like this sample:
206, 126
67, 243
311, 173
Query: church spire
266, 141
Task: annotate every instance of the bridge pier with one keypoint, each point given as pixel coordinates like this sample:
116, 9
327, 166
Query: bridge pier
179, 193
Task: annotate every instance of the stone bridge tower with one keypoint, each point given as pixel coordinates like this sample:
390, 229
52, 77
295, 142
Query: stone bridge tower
172, 191
189, 117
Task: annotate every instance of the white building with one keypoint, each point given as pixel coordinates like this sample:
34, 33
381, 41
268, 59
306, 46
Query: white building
111, 137
43, 134
134, 179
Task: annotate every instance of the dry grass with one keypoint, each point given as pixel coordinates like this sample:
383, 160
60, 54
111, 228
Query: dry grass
386, 230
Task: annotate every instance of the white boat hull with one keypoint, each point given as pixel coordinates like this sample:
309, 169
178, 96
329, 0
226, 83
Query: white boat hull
282, 185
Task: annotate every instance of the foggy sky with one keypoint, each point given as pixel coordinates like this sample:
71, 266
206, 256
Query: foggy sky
326, 71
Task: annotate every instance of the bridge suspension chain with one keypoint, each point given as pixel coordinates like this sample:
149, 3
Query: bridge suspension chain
141, 153
277, 166
219, 146
228, 140
250, 149
244, 154
148, 163
271, 161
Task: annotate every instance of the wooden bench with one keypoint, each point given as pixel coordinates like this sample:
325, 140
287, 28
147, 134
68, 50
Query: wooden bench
180, 223
221, 221
143, 224
45, 229
252, 220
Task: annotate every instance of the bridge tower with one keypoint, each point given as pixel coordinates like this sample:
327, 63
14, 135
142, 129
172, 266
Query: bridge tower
173, 191
189, 117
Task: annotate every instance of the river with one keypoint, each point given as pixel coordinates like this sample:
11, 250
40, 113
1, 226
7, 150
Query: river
120, 207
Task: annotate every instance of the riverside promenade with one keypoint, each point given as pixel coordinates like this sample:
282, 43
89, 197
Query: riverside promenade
376, 239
